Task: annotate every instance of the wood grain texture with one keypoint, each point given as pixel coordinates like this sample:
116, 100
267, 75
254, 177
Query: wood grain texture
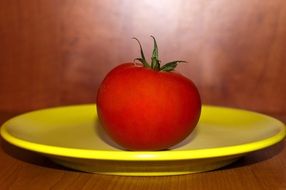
21, 169
57, 52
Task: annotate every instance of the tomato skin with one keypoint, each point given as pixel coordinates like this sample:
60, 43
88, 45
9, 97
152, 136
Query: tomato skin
144, 109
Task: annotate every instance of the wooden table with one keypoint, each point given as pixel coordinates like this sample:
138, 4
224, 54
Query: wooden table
21, 169
57, 52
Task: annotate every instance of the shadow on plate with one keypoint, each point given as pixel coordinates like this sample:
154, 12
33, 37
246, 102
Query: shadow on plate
105, 137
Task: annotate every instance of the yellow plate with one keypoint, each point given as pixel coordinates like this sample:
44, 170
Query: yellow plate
72, 136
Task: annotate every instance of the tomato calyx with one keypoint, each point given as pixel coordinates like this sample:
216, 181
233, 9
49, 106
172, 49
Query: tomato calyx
155, 62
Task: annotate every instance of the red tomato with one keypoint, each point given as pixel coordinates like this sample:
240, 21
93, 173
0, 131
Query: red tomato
143, 108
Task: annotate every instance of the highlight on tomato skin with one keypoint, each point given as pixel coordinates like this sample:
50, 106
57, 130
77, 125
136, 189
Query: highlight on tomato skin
147, 106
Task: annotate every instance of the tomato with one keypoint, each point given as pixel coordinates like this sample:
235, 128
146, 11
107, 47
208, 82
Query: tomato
148, 107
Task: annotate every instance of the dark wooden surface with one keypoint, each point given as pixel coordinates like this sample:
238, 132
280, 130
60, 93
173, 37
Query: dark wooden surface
57, 53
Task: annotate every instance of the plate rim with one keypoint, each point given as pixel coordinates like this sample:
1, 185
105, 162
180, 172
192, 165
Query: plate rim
125, 155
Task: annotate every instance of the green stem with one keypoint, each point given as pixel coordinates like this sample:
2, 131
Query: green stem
142, 59
155, 62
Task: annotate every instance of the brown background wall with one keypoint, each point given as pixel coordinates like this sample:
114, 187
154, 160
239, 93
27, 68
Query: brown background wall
57, 52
